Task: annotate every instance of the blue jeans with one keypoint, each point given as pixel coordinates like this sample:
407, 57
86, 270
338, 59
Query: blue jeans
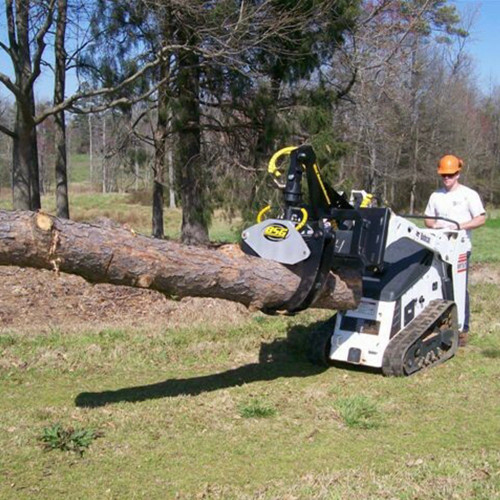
467, 302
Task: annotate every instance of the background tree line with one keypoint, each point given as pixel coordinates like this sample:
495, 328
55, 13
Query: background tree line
188, 100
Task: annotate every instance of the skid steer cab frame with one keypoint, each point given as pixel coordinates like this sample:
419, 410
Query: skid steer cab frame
413, 279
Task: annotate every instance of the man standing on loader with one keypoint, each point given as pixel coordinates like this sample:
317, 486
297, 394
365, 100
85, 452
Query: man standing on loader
459, 203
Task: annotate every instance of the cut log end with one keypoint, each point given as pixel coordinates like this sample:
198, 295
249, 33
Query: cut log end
44, 222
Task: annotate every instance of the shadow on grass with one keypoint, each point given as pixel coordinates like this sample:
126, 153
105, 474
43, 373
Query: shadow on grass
280, 358
491, 353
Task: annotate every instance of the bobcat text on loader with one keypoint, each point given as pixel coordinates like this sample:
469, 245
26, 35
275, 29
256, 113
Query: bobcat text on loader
413, 280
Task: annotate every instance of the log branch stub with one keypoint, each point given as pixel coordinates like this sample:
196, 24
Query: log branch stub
43, 221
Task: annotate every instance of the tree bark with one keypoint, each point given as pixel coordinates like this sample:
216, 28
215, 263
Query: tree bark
190, 169
160, 138
26, 184
61, 169
21, 157
116, 255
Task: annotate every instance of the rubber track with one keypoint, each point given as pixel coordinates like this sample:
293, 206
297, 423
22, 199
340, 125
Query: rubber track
394, 356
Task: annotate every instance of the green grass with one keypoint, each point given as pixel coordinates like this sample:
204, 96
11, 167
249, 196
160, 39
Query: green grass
5, 199
256, 409
485, 241
358, 411
237, 411
79, 168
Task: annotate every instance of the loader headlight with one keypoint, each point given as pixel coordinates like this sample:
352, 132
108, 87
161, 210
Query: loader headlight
354, 355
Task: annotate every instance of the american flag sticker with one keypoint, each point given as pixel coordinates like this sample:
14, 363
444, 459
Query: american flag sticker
462, 263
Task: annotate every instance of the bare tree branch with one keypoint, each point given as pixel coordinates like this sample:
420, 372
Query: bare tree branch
7, 131
41, 44
9, 9
67, 103
10, 85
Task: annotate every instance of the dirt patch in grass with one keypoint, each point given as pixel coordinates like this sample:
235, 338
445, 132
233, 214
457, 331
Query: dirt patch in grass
43, 300
484, 273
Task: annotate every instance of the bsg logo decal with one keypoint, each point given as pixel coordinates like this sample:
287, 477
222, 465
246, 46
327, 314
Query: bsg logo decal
276, 232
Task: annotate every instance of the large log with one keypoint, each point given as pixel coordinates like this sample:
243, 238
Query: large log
104, 253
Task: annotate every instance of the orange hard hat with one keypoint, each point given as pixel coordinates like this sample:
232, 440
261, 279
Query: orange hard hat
449, 164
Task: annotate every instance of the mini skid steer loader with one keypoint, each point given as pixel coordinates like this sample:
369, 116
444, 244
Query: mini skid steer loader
413, 280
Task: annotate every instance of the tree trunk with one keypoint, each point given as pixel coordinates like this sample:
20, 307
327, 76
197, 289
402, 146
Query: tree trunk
160, 138
265, 140
415, 119
36, 201
25, 178
414, 177
157, 209
21, 154
91, 152
190, 172
62, 202
104, 157
111, 254
171, 177
266, 135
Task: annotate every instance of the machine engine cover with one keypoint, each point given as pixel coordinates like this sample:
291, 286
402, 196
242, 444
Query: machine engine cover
278, 240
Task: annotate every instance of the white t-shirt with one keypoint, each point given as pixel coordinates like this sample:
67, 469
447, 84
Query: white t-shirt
461, 205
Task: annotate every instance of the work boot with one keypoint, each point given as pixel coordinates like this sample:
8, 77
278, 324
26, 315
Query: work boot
463, 338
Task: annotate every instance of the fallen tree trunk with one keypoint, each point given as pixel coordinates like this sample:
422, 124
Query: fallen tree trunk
117, 255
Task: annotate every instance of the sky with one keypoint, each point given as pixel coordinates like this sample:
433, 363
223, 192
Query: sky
483, 45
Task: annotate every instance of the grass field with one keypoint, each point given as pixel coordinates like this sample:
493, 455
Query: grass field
223, 409
237, 411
